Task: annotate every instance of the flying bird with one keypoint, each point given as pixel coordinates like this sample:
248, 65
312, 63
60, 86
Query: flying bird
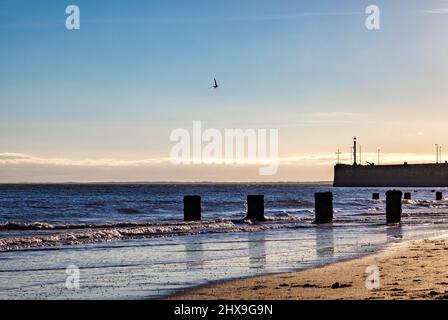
216, 84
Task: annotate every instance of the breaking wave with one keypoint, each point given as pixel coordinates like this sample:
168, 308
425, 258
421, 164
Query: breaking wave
73, 234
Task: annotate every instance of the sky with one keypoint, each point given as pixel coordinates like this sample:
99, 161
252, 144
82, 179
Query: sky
100, 103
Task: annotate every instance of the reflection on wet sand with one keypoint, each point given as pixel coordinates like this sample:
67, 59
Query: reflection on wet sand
394, 232
257, 251
194, 252
325, 241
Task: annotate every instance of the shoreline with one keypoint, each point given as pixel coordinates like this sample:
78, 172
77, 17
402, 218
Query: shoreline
414, 269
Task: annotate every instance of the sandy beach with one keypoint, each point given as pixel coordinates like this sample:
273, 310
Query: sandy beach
409, 270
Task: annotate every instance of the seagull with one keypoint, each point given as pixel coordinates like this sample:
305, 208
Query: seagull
216, 84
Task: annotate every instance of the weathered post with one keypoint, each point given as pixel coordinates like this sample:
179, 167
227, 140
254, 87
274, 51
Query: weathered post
393, 206
407, 196
192, 208
439, 195
375, 196
255, 207
323, 205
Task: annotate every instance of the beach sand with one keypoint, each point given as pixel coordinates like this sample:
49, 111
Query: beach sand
410, 270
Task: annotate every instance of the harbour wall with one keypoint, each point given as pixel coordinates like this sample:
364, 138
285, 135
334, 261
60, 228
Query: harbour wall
405, 175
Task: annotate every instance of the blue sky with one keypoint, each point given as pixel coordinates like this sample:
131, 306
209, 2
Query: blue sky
136, 70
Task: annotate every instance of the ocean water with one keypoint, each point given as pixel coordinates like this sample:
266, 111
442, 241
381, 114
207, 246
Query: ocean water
129, 240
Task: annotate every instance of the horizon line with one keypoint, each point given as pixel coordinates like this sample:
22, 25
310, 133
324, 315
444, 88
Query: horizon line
173, 182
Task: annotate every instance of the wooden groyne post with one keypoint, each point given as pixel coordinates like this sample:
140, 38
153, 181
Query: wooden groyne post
323, 205
393, 206
407, 196
255, 207
192, 208
439, 195
375, 196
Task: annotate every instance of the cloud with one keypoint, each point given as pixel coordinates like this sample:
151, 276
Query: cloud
18, 167
333, 118
170, 20
330, 158
436, 11
8, 158
337, 114
280, 17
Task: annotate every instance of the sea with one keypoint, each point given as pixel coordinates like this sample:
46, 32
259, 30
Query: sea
129, 241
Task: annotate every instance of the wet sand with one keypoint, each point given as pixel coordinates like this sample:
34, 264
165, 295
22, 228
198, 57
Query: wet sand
411, 270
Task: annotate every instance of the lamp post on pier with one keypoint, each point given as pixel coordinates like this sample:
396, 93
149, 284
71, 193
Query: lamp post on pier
437, 153
338, 153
